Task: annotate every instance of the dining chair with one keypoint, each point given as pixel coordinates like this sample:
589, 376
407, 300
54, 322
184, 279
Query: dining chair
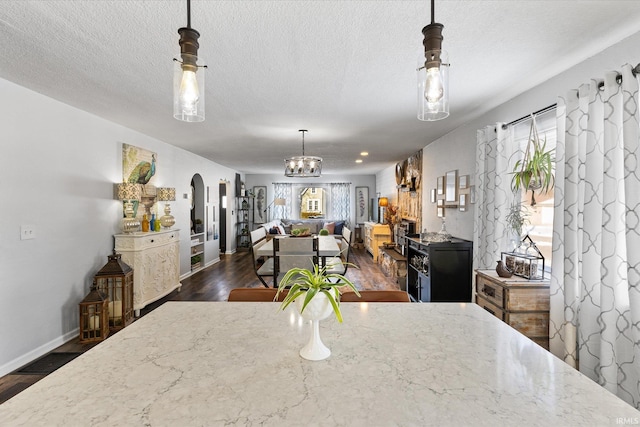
256, 294
375, 296
262, 268
339, 264
293, 252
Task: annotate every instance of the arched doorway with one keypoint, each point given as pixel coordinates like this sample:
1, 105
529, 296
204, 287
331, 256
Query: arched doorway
198, 231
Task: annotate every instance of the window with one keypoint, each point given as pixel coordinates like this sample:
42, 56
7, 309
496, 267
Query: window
540, 227
313, 205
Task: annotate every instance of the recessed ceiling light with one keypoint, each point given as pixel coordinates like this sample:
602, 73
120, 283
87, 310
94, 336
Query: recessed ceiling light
359, 161
364, 153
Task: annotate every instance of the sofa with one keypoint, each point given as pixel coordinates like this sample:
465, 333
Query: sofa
285, 226
315, 225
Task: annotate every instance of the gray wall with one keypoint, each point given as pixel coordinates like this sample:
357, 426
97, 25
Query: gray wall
57, 171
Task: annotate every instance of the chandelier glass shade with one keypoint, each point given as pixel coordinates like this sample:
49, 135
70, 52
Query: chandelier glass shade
303, 166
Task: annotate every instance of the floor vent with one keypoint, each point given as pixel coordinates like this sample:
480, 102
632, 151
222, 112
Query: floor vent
47, 364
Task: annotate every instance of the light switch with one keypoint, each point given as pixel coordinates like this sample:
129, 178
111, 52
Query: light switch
27, 232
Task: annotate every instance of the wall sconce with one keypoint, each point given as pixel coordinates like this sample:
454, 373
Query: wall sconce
167, 194
129, 192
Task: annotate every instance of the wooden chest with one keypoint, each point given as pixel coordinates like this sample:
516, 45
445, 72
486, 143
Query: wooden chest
523, 304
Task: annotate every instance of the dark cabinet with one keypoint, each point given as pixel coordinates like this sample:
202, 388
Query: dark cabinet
439, 272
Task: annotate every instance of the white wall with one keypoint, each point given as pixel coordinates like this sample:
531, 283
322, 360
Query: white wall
58, 165
457, 150
356, 181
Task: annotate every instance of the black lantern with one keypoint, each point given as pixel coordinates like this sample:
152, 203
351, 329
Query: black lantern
115, 279
94, 316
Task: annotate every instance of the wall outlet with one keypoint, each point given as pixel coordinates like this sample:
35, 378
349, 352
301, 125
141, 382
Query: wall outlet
27, 232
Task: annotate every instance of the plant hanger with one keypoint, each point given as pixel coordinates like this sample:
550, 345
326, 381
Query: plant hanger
535, 170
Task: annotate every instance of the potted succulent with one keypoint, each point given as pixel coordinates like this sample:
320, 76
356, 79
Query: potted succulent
535, 170
316, 295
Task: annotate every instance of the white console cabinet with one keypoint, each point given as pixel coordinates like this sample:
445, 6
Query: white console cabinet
155, 259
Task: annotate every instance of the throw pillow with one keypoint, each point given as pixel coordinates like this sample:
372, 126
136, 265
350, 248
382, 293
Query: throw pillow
274, 230
338, 228
330, 227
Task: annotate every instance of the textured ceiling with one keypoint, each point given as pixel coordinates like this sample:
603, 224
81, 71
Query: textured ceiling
344, 70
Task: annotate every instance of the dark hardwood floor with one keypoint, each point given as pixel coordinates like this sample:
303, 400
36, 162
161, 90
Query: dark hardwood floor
212, 284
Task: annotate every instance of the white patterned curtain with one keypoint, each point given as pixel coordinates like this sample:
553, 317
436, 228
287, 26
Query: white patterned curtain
340, 201
282, 190
496, 154
595, 280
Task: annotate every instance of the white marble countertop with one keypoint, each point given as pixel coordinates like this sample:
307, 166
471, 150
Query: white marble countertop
222, 363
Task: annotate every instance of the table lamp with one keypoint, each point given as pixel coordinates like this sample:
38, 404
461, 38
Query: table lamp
167, 194
278, 201
383, 202
129, 192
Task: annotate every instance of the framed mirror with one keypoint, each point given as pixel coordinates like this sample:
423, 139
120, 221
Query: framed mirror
462, 206
451, 189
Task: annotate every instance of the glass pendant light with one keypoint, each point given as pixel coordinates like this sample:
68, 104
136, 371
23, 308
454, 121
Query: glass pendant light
188, 76
433, 74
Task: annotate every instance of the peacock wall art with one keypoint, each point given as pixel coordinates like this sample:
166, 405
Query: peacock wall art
139, 166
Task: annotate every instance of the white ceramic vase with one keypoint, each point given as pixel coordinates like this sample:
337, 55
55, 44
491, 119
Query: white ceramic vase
319, 308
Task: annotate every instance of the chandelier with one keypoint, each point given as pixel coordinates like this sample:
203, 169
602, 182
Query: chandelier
303, 166
188, 80
433, 74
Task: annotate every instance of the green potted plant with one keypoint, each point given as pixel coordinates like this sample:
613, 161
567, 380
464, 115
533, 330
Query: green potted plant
308, 284
316, 295
535, 170
517, 217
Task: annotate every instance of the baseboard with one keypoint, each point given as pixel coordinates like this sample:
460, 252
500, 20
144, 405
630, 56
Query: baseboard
29, 357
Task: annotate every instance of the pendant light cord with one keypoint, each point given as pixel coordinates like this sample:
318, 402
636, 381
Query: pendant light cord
189, 13
303, 131
433, 11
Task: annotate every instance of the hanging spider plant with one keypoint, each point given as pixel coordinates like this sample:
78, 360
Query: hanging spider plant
534, 172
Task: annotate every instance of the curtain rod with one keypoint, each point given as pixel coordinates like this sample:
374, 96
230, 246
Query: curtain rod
635, 71
528, 116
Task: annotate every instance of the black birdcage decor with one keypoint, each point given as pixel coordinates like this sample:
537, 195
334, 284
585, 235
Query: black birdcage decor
115, 279
94, 316
526, 260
